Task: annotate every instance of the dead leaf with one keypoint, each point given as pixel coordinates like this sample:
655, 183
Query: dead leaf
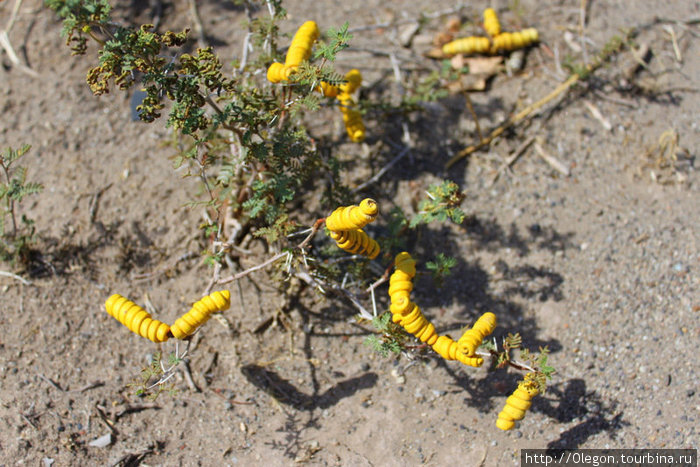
435, 53
487, 65
453, 24
457, 62
468, 82
442, 38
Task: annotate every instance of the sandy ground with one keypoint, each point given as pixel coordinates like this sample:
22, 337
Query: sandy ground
601, 265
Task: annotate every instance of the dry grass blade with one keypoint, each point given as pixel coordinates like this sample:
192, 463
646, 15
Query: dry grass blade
511, 160
555, 163
16, 277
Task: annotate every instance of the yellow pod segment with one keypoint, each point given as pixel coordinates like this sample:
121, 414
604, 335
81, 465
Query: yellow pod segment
303, 41
472, 338
415, 323
328, 90
356, 242
404, 263
467, 46
276, 73
509, 41
354, 126
449, 350
396, 286
353, 82
353, 217
136, 319
516, 405
400, 305
200, 313
491, 23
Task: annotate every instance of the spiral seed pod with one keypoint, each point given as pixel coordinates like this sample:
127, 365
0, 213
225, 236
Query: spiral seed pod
407, 314
467, 45
405, 264
200, 313
328, 90
491, 23
356, 242
353, 217
509, 41
412, 320
353, 124
353, 80
401, 281
449, 350
517, 404
473, 337
136, 319
303, 41
277, 72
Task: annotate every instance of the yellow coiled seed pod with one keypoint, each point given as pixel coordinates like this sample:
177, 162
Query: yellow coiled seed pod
276, 73
491, 23
353, 217
354, 80
188, 323
517, 404
303, 41
353, 124
509, 41
405, 264
328, 90
136, 319
400, 305
413, 321
356, 242
473, 337
449, 350
467, 45
398, 285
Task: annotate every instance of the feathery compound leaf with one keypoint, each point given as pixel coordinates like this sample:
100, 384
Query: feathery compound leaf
337, 40
442, 204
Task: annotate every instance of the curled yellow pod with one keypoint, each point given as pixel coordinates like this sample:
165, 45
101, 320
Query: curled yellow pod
136, 319
200, 313
467, 45
491, 23
404, 263
276, 73
449, 350
302, 42
328, 90
353, 80
415, 323
516, 405
473, 337
356, 242
354, 126
353, 217
400, 305
509, 41
446, 348
476, 362
399, 286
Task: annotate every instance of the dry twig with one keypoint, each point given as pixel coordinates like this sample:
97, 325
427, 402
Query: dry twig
555, 163
16, 277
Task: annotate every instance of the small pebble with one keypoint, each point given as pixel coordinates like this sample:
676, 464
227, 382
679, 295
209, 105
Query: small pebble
102, 441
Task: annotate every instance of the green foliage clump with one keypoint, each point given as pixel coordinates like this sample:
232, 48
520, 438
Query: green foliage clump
442, 205
441, 267
241, 137
391, 337
15, 238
